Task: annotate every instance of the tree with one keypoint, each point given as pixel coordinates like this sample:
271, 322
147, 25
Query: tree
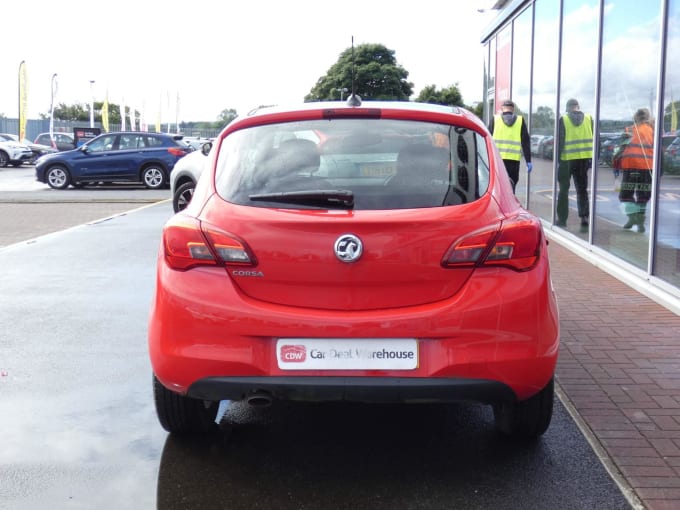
543, 120
76, 111
226, 116
477, 109
81, 112
377, 76
450, 96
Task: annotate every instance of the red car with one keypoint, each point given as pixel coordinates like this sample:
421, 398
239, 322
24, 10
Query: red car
367, 252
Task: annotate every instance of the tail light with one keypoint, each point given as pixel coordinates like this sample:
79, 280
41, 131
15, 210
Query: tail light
177, 151
188, 243
515, 244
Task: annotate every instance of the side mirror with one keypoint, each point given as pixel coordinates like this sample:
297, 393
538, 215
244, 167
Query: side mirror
205, 148
84, 148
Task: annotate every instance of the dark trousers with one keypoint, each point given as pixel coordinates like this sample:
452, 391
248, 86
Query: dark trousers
512, 168
578, 170
636, 187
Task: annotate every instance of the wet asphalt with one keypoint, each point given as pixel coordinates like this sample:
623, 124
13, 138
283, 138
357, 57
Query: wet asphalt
79, 430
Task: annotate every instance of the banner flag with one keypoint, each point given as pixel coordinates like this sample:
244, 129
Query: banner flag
23, 99
674, 116
158, 118
105, 112
122, 114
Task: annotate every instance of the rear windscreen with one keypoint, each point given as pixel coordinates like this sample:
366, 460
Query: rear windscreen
380, 163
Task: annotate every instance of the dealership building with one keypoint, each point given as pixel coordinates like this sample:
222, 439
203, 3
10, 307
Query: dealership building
615, 57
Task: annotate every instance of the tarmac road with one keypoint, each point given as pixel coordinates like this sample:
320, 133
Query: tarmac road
79, 429
30, 209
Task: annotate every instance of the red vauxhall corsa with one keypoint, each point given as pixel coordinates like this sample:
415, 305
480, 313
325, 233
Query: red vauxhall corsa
367, 252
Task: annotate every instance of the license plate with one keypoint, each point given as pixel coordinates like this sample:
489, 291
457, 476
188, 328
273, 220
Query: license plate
347, 353
378, 169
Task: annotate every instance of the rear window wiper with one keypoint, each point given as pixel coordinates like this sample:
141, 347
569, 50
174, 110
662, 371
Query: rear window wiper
342, 199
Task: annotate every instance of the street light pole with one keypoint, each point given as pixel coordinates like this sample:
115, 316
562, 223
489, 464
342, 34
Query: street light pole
91, 104
341, 90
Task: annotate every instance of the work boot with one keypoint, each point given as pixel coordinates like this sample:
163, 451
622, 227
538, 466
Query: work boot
631, 221
640, 222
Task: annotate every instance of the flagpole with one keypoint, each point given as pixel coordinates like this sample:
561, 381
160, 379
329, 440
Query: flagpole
21, 65
54, 93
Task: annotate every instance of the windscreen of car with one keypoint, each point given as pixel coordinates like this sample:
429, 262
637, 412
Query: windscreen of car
353, 164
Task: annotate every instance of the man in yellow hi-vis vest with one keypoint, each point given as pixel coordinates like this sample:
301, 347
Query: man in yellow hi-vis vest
512, 139
575, 153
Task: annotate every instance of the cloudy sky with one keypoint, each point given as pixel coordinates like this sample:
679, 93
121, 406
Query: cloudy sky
218, 55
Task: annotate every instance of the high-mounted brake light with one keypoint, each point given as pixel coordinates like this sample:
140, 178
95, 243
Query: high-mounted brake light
515, 244
335, 113
187, 243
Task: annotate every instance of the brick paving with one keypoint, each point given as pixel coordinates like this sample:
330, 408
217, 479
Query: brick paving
619, 370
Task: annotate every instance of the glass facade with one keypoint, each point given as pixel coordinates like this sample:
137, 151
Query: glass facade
598, 83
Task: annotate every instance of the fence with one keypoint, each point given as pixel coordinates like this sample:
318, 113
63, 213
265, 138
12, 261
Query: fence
36, 126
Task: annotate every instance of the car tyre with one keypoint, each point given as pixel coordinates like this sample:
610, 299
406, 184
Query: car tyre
529, 418
153, 177
183, 415
4, 159
183, 196
57, 177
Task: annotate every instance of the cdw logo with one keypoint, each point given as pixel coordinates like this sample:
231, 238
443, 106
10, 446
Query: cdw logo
293, 353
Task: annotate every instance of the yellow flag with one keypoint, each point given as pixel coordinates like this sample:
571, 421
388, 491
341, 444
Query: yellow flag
158, 117
674, 116
105, 112
23, 99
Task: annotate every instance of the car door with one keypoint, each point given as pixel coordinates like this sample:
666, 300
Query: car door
126, 160
97, 161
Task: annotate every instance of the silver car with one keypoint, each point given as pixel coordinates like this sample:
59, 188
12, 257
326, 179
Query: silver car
185, 174
14, 153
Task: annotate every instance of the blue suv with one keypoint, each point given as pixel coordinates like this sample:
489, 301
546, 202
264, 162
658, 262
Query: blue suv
147, 158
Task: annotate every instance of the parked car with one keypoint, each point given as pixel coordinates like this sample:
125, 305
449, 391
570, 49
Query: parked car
196, 142
185, 174
114, 157
671, 154
37, 149
609, 145
390, 263
546, 147
13, 152
536, 143
59, 141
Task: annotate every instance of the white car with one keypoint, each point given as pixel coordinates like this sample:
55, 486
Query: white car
185, 174
14, 153
536, 143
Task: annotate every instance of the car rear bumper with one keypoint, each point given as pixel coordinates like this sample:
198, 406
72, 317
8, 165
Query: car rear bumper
355, 389
490, 338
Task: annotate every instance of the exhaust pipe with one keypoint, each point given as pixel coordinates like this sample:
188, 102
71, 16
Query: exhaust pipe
259, 399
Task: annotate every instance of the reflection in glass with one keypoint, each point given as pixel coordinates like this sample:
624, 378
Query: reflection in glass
574, 144
544, 95
521, 83
491, 83
667, 260
628, 84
